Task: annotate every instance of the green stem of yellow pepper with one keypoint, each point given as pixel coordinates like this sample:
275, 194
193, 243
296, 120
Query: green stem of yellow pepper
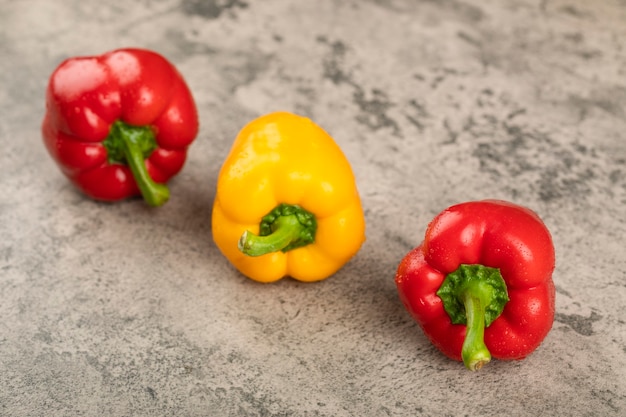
284, 228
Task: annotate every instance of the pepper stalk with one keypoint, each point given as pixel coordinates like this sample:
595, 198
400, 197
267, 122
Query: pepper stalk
474, 295
131, 145
286, 227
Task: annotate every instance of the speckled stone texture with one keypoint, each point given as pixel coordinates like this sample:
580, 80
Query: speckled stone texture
123, 310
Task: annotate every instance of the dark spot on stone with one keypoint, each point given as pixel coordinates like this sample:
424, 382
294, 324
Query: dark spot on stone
617, 176
374, 110
575, 37
589, 54
606, 396
460, 10
555, 170
515, 113
333, 63
151, 392
418, 115
554, 183
580, 324
561, 290
609, 102
573, 11
211, 9
469, 39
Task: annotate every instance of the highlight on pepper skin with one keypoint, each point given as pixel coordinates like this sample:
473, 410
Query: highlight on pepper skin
286, 202
480, 284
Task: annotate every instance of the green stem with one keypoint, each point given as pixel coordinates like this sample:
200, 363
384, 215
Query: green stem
284, 228
474, 351
474, 295
132, 145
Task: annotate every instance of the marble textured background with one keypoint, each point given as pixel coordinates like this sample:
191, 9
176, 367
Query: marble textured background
122, 310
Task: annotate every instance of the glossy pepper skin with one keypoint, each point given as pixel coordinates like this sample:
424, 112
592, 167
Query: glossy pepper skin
482, 274
286, 202
119, 124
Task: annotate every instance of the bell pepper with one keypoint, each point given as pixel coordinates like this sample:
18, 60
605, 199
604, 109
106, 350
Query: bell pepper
119, 124
480, 284
286, 202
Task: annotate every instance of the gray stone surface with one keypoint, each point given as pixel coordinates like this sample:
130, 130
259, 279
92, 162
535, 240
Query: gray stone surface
122, 310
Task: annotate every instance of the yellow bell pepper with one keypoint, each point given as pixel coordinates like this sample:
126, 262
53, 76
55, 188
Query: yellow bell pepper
286, 202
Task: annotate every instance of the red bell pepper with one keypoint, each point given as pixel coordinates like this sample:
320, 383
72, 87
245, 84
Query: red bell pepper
119, 124
480, 284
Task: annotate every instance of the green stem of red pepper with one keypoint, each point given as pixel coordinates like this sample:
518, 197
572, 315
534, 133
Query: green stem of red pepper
131, 145
474, 351
474, 295
284, 228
